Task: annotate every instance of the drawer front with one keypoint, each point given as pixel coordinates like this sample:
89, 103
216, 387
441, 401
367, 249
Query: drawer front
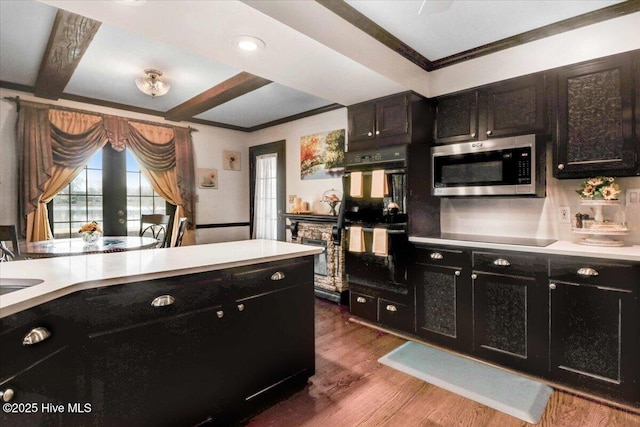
439, 256
508, 263
120, 306
614, 274
396, 315
266, 277
364, 306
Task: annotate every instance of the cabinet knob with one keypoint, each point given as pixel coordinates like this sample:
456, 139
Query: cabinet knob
473, 135
489, 132
560, 166
278, 275
361, 300
501, 262
552, 286
474, 276
457, 273
436, 255
36, 335
587, 272
391, 308
220, 314
7, 395
163, 300
370, 134
240, 307
377, 132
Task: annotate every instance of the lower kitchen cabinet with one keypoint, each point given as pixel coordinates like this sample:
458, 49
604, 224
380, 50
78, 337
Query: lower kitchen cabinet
177, 351
594, 328
509, 310
443, 297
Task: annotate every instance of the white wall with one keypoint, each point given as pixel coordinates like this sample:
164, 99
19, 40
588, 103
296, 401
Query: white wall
309, 190
228, 203
594, 41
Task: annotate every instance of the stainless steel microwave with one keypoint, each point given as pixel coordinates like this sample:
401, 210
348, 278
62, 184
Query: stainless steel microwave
497, 167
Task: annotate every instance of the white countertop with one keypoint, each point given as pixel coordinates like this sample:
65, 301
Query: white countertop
561, 247
64, 275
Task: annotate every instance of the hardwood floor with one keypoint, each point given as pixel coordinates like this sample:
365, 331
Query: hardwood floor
350, 388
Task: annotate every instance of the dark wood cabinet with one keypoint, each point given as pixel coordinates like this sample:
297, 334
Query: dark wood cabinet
441, 278
595, 119
397, 119
513, 107
594, 332
509, 309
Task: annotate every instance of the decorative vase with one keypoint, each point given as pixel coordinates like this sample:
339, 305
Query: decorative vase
90, 237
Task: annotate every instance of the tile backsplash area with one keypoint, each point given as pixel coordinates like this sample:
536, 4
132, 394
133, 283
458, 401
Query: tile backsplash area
534, 217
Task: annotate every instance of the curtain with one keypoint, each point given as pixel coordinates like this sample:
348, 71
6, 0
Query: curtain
266, 209
54, 144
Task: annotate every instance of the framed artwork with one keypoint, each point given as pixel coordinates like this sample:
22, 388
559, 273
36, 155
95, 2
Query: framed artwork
207, 178
231, 160
322, 155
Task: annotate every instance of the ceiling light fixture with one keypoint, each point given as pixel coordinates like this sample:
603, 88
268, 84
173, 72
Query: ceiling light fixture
151, 85
248, 43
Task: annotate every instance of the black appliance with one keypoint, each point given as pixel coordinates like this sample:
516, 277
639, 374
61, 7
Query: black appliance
499, 167
365, 268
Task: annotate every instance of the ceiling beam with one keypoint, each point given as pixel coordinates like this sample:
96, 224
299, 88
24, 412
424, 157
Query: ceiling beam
229, 89
359, 20
70, 37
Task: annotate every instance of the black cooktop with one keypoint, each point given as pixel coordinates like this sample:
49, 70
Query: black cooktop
507, 240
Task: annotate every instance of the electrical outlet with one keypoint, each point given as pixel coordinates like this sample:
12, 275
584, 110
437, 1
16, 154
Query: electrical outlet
633, 197
565, 215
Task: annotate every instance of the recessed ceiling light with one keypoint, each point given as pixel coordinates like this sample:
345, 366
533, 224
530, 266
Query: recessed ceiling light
248, 43
131, 2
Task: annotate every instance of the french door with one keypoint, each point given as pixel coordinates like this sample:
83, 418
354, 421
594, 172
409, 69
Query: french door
268, 183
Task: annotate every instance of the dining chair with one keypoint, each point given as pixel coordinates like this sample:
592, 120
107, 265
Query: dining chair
157, 225
9, 233
182, 226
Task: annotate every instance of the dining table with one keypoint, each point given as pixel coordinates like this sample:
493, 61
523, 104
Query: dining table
76, 246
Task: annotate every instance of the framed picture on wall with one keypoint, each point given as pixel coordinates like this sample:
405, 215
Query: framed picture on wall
207, 178
322, 155
231, 160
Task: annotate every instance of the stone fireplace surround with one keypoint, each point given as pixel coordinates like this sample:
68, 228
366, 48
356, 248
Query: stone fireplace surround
310, 228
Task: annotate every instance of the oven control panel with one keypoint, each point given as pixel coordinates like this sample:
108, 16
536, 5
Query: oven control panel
380, 155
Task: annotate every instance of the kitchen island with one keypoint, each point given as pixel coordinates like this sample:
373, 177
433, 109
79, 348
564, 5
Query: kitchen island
172, 336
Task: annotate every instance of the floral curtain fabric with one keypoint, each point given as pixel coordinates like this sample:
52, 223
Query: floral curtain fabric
55, 143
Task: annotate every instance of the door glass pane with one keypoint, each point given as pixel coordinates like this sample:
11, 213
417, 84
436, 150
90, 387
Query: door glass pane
61, 207
146, 205
94, 181
133, 183
79, 208
133, 208
79, 184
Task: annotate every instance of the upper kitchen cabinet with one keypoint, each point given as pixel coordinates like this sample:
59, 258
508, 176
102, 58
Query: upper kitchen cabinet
395, 119
595, 119
512, 107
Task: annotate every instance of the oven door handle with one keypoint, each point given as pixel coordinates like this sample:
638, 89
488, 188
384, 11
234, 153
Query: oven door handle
370, 230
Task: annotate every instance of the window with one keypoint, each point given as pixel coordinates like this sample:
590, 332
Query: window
83, 199
266, 206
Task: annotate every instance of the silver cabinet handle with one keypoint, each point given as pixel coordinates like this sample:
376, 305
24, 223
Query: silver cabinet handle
36, 335
552, 286
473, 135
501, 262
474, 276
436, 255
220, 314
489, 132
163, 300
278, 275
560, 166
370, 134
361, 300
587, 271
457, 273
240, 307
377, 132
7, 395
391, 308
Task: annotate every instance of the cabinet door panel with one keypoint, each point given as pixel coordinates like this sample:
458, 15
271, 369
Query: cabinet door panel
595, 120
517, 107
275, 338
392, 117
457, 118
362, 122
